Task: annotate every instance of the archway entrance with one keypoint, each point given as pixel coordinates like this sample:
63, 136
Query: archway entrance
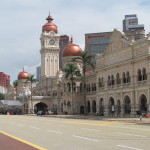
82, 110
40, 106
94, 106
88, 106
143, 104
111, 105
101, 107
127, 105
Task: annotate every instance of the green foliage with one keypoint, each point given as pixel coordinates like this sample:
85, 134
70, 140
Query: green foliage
71, 71
2, 96
15, 84
31, 79
86, 60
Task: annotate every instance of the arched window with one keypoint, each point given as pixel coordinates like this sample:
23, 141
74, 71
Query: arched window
117, 78
128, 77
99, 82
80, 87
124, 77
109, 82
89, 88
94, 86
69, 87
74, 87
139, 75
144, 74
112, 80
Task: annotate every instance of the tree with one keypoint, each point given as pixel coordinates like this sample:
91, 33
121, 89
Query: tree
71, 71
2, 96
31, 80
15, 84
86, 61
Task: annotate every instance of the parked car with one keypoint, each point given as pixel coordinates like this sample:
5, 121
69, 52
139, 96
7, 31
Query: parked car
40, 112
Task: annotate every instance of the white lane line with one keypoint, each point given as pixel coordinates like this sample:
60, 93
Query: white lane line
90, 129
85, 138
130, 134
34, 128
54, 131
129, 147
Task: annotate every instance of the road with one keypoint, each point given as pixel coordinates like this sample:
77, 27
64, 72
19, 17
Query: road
77, 134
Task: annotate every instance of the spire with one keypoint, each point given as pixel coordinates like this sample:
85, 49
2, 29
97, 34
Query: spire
23, 68
71, 40
49, 18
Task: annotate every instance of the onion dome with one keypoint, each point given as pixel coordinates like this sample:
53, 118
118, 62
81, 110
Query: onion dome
23, 75
71, 50
49, 26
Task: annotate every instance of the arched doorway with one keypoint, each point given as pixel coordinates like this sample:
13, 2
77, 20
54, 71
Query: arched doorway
101, 107
111, 105
127, 105
40, 106
143, 104
81, 109
88, 105
94, 106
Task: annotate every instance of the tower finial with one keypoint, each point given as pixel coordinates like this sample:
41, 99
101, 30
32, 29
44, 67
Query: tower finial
23, 68
49, 12
71, 40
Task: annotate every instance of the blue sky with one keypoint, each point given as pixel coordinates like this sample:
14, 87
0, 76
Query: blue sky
22, 21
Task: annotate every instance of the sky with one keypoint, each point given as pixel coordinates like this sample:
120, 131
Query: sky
21, 24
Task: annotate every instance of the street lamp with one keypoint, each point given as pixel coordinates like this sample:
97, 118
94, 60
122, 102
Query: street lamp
23, 96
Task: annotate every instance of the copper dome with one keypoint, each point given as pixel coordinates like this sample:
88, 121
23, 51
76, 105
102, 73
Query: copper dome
71, 50
23, 75
49, 26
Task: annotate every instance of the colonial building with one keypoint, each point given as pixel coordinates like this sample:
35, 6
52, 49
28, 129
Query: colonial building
119, 85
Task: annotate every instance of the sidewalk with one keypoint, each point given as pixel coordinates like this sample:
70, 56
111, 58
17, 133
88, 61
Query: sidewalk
92, 117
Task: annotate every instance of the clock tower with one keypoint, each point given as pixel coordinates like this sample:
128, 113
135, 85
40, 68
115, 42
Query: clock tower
49, 49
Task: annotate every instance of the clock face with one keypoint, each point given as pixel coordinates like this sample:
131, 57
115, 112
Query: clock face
51, 42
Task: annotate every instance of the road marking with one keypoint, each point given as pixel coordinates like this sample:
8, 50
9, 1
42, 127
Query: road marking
78, 122
54, 131
130, 134
23, 141
129, 147
34, 128
85, 138
90, 129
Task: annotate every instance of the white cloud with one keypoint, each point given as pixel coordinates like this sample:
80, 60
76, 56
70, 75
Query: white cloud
21, 24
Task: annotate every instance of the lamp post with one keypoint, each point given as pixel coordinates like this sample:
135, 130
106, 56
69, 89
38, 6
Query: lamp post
24, 96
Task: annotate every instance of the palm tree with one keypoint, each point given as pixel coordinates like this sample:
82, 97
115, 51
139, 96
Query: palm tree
15, 84
71, 71
86, 61
31, 80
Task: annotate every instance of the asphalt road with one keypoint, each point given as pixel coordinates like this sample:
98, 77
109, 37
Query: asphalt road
77, 134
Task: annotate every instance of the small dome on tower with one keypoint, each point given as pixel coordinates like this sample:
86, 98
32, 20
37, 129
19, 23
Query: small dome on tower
71, 50
49, 26
23, 75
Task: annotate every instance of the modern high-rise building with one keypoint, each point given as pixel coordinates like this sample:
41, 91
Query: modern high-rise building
63, 42
95, 43
132, 28
38, 72
4, 79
